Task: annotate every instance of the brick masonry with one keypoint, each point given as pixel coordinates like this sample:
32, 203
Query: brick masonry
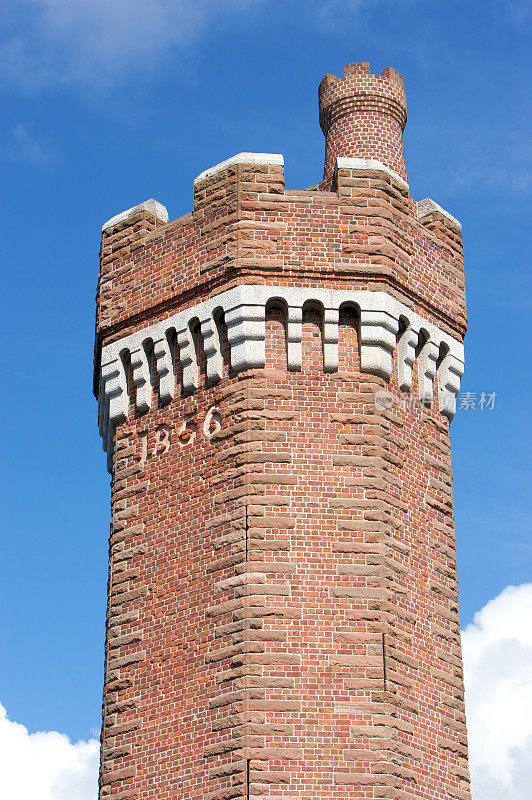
282, 604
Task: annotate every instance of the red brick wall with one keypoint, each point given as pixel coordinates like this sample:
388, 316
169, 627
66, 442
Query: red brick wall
283, 614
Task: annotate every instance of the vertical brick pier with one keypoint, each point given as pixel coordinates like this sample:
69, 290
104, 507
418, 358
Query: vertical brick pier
276, 373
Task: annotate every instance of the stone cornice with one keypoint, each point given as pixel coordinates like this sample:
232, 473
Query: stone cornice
382, 317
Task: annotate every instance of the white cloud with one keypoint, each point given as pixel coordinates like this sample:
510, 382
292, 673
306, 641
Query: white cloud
101, 42
45, 765
497, 651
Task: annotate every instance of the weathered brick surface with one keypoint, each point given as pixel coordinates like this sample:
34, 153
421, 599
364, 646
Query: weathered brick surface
283, 611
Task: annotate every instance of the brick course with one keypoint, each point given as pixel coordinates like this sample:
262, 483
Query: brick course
283, 607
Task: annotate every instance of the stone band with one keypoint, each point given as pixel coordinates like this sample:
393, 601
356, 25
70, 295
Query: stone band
244, 310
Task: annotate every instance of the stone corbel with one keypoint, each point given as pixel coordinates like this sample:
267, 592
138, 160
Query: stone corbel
406, 355
246, 330
449, 375
188, 357
330, 339
114, 391
378, 337
164, 368
294, 337
141, 377
427, 363
212, 347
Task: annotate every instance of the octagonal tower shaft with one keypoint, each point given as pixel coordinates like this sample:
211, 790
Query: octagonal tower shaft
276, 373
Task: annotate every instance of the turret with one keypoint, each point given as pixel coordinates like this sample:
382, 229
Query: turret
363, 116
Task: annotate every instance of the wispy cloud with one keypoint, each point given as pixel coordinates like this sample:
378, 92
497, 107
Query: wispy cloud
497, 649
331, 16
500, 160
100, 42
477, 159
22, 144
517, 12
46, 765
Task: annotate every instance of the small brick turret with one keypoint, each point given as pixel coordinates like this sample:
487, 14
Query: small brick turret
277, 371
363, 116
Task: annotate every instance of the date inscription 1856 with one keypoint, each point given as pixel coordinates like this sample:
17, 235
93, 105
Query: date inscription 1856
159, 442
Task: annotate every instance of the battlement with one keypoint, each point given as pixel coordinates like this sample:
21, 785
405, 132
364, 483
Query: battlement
359, 84
250, 159
150, 207
247, 225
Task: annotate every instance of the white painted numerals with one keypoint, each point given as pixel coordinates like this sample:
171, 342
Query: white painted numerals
212, 423
187, 433
159, 443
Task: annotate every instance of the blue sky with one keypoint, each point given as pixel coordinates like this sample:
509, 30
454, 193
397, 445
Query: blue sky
108, 104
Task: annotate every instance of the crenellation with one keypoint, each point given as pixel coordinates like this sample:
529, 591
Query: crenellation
365, 168
242, 241
152, 208
247, 159
427, 207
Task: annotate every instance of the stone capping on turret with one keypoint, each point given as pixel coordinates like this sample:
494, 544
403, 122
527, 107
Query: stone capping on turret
428, 206
151, 206
369, 163
264, 159
244, 308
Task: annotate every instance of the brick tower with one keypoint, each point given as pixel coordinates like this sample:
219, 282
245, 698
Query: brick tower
277, 371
